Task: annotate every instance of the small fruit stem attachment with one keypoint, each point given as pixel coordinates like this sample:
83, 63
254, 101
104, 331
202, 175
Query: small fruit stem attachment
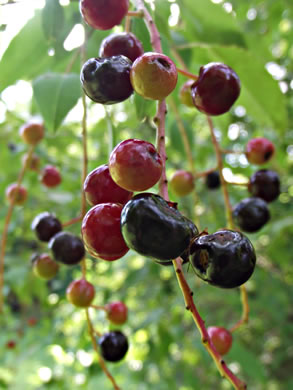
205, 173
154, 33
245, 309
101, 361
189, 304
187, 74
99, 307
7, 222
237, 184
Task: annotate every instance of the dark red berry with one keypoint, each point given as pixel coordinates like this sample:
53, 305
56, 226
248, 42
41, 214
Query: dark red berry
11, 344
101, 232
265, 184
16, 193
117, 312
80, 293
113, 345
224, 259
32, 321
99, 187
251, 214
153, 76
126, 44
213, 180
216, 89
221, 338
46, 225
67, 248
107, 80
135, 165
152, 228
259, 150
50, 176
103, 14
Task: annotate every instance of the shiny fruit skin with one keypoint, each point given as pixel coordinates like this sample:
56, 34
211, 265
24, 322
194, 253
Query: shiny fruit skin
103, 14
16, 193
154, 229
224, 259
182, 182
135, 165
46, 225
32, 133
216, 89
265, 184
251, 214
99, 187
50, 176
117, 312
185, 94
213, 181
153, 76
221, 338
80, 293
113, 346
67, 248
126, 44
259, 150
45, 267
32, 163
107, 80
101, 232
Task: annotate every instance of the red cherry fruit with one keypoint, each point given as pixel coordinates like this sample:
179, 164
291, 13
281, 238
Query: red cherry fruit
101, 232
103, 14
32, 321
216, 89
126, 44
153, 76
259, 150
117, 312
182, 182
50, 176
185, 93
221, 339
99, 187
11, 344
16, 193
80, 293
135, 165
32, 133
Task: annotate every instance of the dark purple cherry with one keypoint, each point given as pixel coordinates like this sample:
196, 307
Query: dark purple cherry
67, 248
265, 184
107, 80
126, 44
213, 180
46, 225
113, 345
216, 89
251, 214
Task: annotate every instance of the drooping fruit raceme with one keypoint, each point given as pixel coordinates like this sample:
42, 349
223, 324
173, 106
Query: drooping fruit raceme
221, 338
224, 259
107, 80
101, 232
135, 165
124, 43
153, 228
265, 184
259, 150
80, 293
216, 89
251, 214
99, 187
153, 76
113, 345
103, 14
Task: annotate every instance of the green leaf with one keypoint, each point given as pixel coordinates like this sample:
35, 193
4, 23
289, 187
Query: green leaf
52, 19
56, 94
143, 107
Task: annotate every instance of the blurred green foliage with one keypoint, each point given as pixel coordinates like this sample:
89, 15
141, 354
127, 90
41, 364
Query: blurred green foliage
166, 351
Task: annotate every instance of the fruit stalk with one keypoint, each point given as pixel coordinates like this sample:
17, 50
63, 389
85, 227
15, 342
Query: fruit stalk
7, 222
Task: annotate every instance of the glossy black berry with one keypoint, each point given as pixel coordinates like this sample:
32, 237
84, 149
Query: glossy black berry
107, 80
46, 225
67, 248
251, 214
213, 180
123, 43
113, 346
216, 89
153, 228
224, 259
265, 184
